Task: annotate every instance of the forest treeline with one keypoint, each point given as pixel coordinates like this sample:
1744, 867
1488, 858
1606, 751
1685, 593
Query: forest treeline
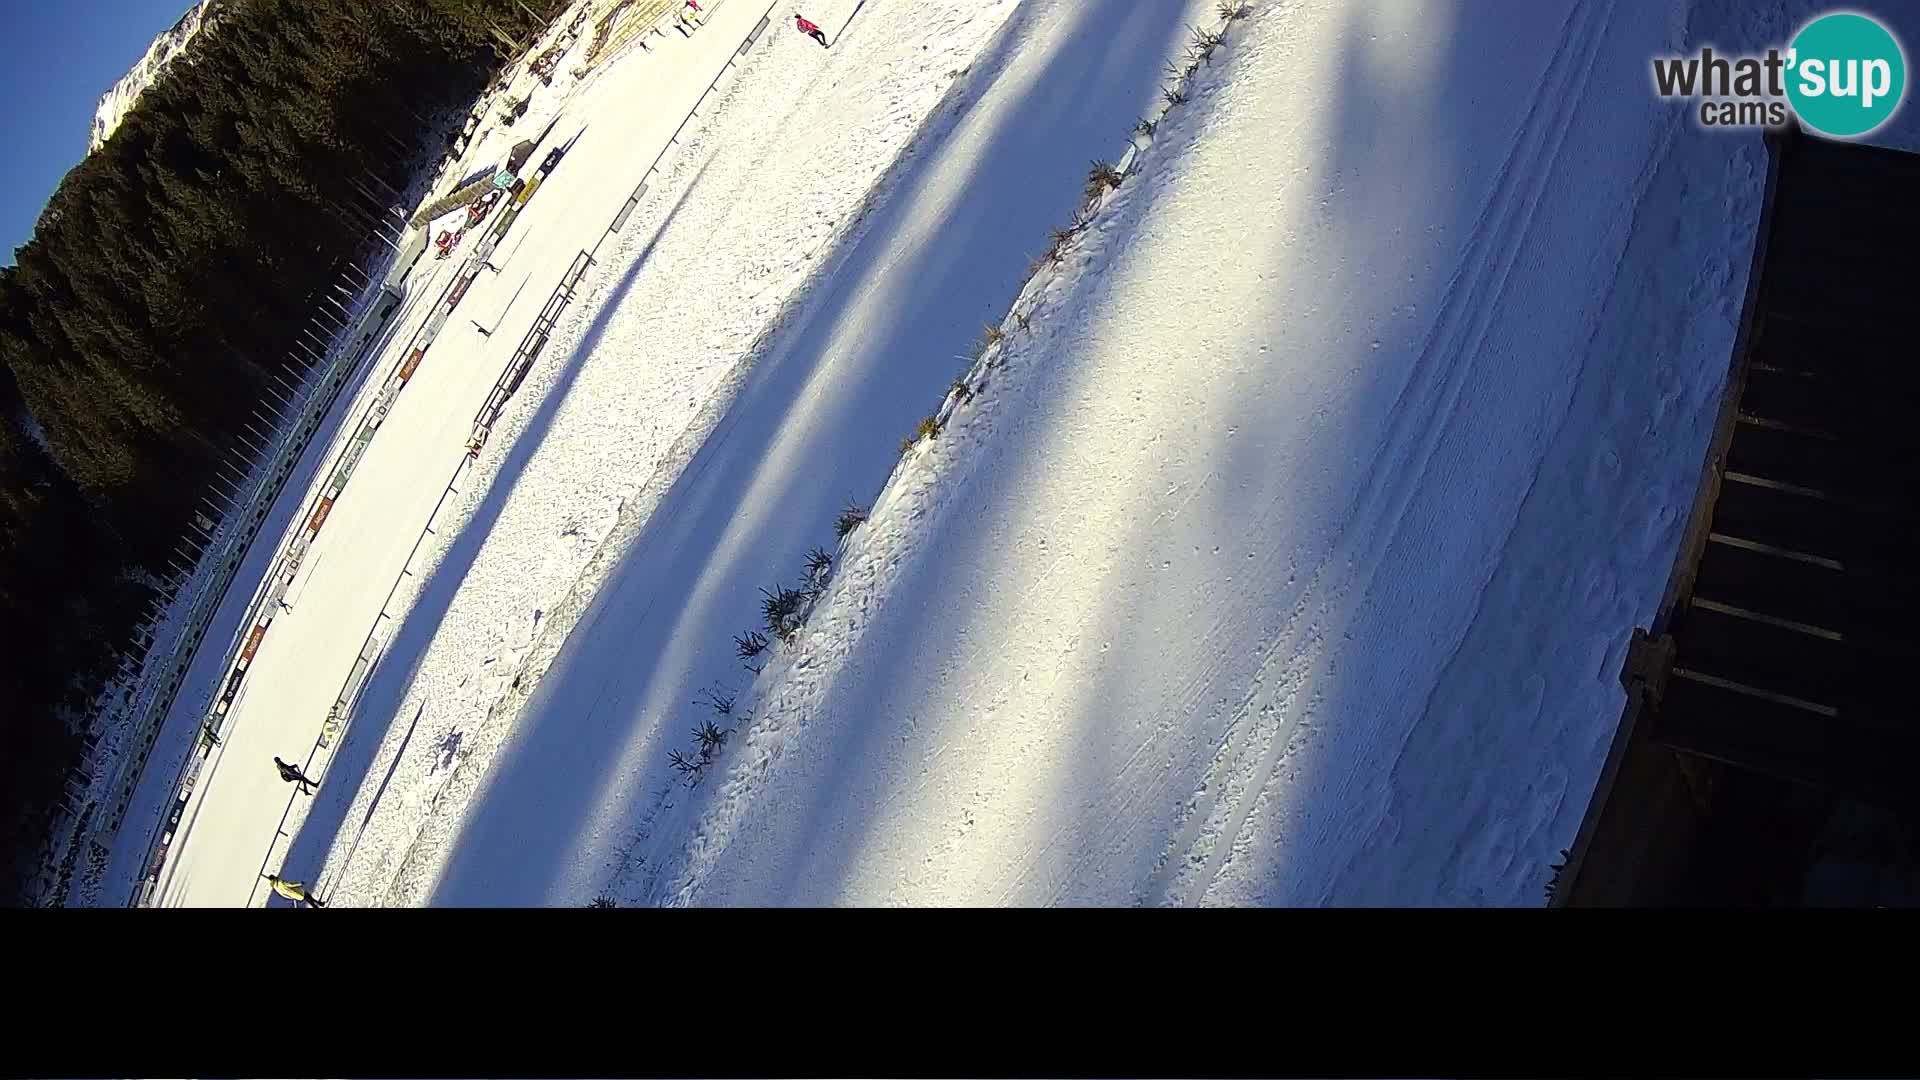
164, 284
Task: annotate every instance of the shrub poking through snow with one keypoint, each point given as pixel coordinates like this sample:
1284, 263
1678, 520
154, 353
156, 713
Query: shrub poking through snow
711, 738
1174, 95
1101, 179
819, 571
928, 428
718, 700
1204, 43
1233, 9
962, 393
819, 562
749, 645
602, 901
1553, 880
781, 609
1023, 320
990, 335
1144, 126
850, 518
693, 768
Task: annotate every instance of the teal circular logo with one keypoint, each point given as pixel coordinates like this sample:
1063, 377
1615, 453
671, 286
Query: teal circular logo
1847, 75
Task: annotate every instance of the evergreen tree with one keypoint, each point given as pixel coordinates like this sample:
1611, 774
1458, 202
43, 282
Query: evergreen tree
170, 272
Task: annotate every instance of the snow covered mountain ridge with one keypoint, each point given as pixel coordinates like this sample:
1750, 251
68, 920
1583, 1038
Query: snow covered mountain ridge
115, 102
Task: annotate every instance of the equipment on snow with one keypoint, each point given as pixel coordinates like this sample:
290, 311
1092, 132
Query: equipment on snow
484, 205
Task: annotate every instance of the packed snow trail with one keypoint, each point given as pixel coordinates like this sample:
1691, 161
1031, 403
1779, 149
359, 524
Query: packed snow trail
717, 308
878, 335
1273, 566
233, 826
1290, 557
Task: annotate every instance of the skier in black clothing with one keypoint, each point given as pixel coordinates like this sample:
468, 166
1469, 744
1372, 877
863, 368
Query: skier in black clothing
293, 775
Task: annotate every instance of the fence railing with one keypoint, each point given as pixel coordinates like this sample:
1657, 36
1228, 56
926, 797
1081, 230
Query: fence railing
287, 565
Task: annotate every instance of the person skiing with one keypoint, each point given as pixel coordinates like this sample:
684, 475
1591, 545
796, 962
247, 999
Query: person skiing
801, 24
691, 14
295, 891
293, 775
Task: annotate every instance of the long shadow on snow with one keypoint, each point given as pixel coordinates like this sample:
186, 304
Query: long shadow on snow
386, 691
1384, 505
1086, 857
818, 420
1486, 777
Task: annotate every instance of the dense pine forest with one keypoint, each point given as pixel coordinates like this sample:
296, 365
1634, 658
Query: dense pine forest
163, 284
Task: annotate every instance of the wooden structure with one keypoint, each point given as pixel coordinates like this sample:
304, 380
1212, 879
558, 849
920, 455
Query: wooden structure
1770, 689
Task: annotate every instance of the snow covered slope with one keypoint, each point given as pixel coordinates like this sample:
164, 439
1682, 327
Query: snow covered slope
115, 102
1289, 557
1286, 558
660, 371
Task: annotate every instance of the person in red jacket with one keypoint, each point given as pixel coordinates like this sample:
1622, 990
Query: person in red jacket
801, 24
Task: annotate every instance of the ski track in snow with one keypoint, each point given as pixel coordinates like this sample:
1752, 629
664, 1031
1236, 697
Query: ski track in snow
670, 324
1289, 558
1427, 407
1286, 800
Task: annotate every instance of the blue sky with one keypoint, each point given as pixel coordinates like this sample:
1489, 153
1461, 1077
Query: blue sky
62, 55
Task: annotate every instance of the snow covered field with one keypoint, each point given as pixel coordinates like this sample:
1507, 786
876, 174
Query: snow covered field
1342, 471
1286, 558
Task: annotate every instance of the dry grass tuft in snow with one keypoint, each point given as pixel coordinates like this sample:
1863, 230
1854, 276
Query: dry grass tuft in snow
819, 564
849, 520
1101, 179
749, 645
780, 608
718, 700
711, 737
1204, 43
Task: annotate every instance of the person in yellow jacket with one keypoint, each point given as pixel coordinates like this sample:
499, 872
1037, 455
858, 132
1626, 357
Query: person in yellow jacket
295, 891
